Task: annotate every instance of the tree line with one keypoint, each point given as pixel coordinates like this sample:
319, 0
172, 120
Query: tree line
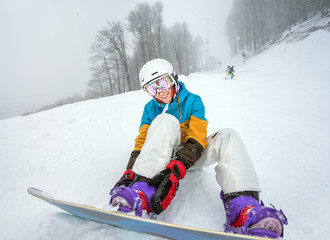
120, 49
252, 24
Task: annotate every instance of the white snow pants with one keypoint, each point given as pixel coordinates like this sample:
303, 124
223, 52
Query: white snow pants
234, 169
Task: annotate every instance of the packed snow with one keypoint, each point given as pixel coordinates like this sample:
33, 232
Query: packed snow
278, 102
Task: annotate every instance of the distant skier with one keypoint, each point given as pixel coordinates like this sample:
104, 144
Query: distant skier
231, 72
172, 140
227, 72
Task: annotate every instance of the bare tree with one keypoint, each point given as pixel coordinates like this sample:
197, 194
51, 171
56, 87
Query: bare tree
146, 25
109, 60
114, 33
100, 63
198, 46
180, 40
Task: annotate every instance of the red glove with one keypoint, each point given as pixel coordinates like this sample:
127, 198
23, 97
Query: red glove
166, 183
126, 179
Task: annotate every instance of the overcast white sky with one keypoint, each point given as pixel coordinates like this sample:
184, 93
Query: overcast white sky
44, 44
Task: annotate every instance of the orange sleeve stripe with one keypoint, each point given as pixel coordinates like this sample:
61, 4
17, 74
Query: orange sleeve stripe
194, 128
141, 138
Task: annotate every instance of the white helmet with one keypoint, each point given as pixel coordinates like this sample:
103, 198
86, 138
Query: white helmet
154, 69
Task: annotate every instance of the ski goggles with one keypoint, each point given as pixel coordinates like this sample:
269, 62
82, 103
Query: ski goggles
161, 84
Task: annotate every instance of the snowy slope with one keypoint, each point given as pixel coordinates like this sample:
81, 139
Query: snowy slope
279, 104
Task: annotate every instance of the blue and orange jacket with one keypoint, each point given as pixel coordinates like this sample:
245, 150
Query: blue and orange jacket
189, 109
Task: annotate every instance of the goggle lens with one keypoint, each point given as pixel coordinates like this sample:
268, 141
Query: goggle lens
162, 84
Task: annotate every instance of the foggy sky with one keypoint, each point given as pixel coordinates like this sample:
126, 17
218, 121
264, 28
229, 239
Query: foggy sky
45, 44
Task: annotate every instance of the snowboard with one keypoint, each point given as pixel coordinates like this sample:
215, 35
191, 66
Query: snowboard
157, 228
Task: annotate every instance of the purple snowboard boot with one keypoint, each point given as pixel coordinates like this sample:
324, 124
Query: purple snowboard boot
134, 198
245, 215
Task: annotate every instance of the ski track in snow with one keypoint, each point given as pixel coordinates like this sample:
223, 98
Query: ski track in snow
278, 102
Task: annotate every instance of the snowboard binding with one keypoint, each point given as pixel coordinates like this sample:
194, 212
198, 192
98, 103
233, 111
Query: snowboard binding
134, 198
245, 215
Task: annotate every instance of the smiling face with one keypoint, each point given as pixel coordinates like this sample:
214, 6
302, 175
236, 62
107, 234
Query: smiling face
165, 97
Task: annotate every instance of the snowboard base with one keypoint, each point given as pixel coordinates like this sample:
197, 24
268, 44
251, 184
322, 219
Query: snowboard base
138, 224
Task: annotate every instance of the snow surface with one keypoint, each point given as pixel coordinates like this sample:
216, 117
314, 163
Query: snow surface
278, 103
